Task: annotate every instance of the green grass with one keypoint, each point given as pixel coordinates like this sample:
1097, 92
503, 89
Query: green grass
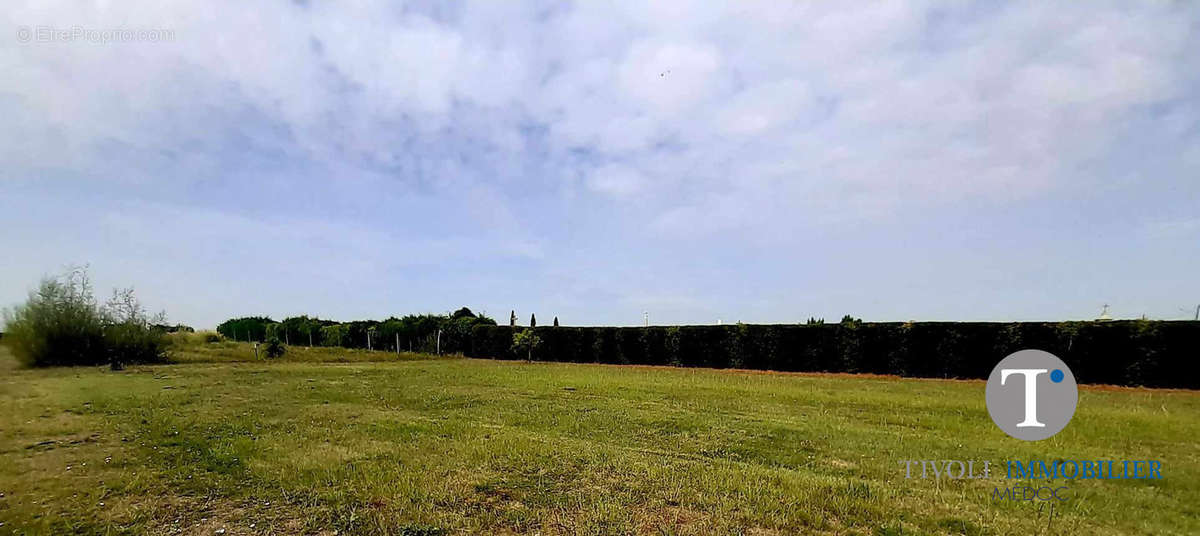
444, 446
187, 348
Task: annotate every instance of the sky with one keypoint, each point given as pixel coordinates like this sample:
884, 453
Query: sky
698, 161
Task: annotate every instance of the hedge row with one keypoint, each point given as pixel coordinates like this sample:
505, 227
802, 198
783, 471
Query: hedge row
1139, 352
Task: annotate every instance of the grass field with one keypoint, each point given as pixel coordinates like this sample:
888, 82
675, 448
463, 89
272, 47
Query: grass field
410, 445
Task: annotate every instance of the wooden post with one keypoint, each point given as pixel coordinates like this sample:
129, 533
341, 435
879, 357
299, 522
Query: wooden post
397, 343
368, 341
439, 343
256, 351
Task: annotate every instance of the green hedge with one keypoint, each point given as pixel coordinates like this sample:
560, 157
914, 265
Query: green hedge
1138, 352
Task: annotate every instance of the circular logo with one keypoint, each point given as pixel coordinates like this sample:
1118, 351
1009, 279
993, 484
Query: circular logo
1031, 395
23, 34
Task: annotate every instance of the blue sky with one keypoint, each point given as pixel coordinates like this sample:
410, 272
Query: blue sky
761, 162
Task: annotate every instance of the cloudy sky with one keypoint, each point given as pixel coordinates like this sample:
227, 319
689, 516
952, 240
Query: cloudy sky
762, 162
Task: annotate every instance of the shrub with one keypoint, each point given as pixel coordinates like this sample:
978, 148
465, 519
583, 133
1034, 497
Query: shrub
129, 333
211, 337
61, 324
275, 348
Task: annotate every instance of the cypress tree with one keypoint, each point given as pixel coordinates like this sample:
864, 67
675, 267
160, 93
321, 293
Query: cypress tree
532, 321
512, 319
555, 321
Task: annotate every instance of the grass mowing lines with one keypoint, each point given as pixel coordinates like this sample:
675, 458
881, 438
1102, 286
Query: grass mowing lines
476, 446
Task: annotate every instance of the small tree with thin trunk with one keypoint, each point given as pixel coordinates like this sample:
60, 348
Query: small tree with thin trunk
525, 341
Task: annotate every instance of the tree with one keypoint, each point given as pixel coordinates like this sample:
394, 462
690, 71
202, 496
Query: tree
308, 327
334, 334
532, 321
525, 341
512, 319
462, 313
250, 328
555, 321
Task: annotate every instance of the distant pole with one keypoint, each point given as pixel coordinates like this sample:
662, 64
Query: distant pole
368, 341
1197, 317
256, 351
397, 343
646, 318
286, 339
439, 343
310, 337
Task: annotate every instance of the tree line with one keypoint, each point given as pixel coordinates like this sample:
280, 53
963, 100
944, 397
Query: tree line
449, 333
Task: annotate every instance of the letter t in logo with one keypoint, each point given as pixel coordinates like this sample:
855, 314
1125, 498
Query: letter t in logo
1030, 394
1058, 395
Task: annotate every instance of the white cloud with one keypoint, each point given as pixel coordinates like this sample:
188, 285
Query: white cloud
667, 79
758, 120
763, 107
616, 180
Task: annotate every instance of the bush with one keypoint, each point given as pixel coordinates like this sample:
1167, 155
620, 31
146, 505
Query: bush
210, 337
61, 324
129, 333
275, 348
